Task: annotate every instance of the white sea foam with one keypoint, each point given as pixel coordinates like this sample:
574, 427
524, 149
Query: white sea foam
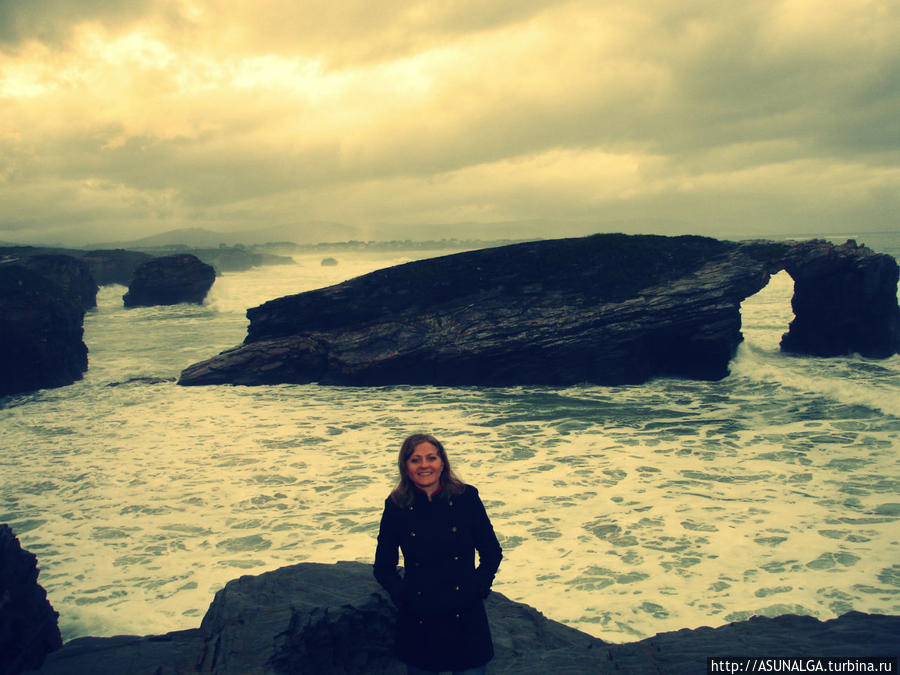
622, 510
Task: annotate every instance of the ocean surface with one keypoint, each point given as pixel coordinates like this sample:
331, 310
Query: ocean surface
622, 511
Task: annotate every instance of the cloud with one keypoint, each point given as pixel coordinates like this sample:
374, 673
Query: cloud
50, 21
777, 114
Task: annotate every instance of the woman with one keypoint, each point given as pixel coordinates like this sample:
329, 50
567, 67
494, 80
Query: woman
438, 522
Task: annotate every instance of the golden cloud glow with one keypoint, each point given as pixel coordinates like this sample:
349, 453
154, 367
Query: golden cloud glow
406, 111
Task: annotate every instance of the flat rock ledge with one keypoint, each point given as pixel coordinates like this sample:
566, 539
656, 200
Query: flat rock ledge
317, 618
606, 309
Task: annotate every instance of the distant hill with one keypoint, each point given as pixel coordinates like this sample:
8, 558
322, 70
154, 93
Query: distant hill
198, 237
189, 236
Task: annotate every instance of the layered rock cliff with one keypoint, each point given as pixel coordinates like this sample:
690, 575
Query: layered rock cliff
114, 266
28, 628
845, 300
70, 273
607, 309
117, 266
106, 266
41, 330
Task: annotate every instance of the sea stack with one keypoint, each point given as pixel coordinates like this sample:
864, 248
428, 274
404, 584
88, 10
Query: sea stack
170, 280
845, 301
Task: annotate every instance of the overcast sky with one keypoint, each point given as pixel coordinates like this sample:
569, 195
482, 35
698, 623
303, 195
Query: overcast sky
404, 118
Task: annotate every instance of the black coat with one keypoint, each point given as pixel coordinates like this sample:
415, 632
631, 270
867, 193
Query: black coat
441, 622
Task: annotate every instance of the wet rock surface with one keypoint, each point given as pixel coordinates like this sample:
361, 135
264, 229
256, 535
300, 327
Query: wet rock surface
316, 618
41, 331
28, 624
70, 273
606, 309
845, 301
170, 280
115, 266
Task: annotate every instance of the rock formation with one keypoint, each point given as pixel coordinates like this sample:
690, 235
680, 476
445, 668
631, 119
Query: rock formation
607, 309
72, 274
115, 266
845, 300
106, 267
314, 618
170, 280
28, 628
41, 329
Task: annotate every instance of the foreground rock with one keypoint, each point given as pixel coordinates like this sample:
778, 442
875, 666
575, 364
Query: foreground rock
72, 274
170, 280
313, 618
41, 330
28, 628
608, 309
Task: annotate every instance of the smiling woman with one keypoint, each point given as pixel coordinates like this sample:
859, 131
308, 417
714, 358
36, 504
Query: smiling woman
424, 467
438, 522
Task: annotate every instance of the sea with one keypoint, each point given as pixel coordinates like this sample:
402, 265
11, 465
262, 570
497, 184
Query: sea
622, 511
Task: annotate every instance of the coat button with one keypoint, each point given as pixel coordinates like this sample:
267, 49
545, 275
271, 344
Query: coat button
456, 557
412, 534
457, 616
451, 502
410, 508
453, 529
419, 593
456, 588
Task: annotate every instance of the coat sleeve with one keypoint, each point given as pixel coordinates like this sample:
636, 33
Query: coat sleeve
386, 555
489, 551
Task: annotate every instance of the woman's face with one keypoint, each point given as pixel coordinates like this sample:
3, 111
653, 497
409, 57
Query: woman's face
424, 467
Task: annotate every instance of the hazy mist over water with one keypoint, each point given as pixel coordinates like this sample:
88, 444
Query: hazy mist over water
623, 511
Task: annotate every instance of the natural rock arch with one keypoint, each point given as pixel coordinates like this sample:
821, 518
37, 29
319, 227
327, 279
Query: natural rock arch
607, 309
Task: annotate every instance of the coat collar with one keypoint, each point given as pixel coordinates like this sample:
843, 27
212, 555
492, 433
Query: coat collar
424, 495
